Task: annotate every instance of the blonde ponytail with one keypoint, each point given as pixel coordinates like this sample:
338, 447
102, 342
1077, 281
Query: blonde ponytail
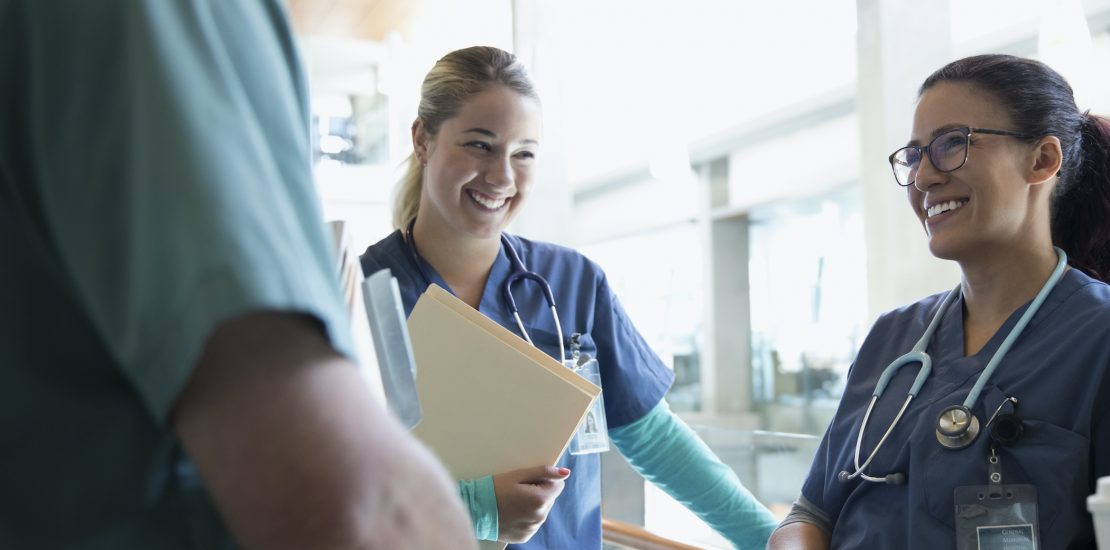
406, 201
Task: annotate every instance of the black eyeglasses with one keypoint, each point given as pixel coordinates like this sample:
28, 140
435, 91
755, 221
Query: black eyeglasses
947, 152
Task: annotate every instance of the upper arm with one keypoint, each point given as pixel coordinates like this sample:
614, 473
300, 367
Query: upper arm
798, 536
633, 377
805, 527
285, 434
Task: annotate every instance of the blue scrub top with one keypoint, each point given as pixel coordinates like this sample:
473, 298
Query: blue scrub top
1058, 369
633, 378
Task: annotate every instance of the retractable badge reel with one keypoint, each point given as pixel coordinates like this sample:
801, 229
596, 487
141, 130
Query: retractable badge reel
592, 435
996, 515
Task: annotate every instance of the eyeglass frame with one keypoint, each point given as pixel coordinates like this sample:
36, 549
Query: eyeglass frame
967, 131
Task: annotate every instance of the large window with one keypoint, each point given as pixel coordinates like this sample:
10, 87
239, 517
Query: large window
658, 277
808, 298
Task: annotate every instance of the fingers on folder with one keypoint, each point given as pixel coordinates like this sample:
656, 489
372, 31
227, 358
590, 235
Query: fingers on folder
524, 498
542, 474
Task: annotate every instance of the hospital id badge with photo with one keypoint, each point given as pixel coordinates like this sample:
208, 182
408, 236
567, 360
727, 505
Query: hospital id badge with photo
592, 435
997, 517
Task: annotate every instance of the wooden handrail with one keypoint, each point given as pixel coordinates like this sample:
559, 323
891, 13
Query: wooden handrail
626, 535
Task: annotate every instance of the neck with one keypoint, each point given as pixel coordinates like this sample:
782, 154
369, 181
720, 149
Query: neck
463, 261
996, 285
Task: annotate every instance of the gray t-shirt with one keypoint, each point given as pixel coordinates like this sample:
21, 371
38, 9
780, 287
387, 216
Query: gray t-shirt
155, 181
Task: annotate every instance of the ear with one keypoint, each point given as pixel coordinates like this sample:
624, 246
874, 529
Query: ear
1047, 156
420, 141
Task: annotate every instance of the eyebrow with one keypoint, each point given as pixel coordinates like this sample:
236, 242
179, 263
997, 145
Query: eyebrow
493, 135
939, 131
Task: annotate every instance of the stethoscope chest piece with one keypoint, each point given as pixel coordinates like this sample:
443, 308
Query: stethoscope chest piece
957, 427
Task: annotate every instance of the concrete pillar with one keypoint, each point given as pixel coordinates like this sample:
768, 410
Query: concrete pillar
901, 42
549, 214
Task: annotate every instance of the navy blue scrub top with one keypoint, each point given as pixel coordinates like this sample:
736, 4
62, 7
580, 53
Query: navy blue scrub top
633, 378
1058, 369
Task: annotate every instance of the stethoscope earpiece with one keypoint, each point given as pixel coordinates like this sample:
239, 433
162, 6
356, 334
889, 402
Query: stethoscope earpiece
957, 427
896, 478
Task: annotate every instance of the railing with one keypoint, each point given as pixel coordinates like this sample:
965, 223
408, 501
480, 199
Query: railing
772, 465
625, 535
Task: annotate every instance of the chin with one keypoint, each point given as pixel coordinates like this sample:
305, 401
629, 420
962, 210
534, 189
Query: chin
945, 250
486, 231
940, 253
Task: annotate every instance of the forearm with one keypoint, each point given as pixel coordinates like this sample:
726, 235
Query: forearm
296, 453
668, 453
806, 526
479, 498
799, 536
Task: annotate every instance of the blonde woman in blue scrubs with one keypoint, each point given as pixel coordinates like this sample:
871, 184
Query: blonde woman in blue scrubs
476, 143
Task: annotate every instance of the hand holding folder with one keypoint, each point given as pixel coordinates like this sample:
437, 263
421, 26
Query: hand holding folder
492, 403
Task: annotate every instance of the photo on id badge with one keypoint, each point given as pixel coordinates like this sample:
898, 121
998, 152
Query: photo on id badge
592, 435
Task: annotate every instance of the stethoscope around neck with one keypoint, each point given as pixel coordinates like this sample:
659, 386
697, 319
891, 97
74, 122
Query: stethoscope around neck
518, 272
957, 427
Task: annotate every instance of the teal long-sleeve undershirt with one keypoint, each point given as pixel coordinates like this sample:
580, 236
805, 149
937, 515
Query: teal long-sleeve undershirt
480, 498
665, 451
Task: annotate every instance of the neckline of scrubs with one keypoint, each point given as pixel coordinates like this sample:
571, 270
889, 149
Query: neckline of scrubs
491, 303
953, 369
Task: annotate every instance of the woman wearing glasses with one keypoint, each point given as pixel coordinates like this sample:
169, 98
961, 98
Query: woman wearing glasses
476, 140
982, 415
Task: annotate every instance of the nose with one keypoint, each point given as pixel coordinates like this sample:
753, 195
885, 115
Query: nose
927, 174
499, 172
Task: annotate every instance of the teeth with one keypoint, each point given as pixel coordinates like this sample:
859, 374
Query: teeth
943, 207
492, 204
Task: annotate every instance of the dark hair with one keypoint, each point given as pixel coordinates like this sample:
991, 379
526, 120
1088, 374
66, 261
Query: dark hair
1041, 103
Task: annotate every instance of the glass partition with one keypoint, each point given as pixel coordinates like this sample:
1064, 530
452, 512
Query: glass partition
658, 277
808, 299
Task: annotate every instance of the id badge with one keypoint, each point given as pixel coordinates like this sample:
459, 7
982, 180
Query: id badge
997, 516
592, 435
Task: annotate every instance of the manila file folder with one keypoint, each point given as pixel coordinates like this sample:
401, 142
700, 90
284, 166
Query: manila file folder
491, 401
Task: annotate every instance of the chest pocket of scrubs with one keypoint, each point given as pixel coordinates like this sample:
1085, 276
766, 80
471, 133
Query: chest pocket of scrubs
1054, 459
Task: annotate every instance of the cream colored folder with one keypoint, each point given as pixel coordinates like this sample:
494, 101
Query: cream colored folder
491, 401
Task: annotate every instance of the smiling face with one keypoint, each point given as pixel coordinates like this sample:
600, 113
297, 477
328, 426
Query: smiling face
480, 165
985, 205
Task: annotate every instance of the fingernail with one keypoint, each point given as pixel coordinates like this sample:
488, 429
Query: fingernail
564, 471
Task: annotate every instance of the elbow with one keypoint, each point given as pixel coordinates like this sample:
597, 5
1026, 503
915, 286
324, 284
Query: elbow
336, 523
798, 536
